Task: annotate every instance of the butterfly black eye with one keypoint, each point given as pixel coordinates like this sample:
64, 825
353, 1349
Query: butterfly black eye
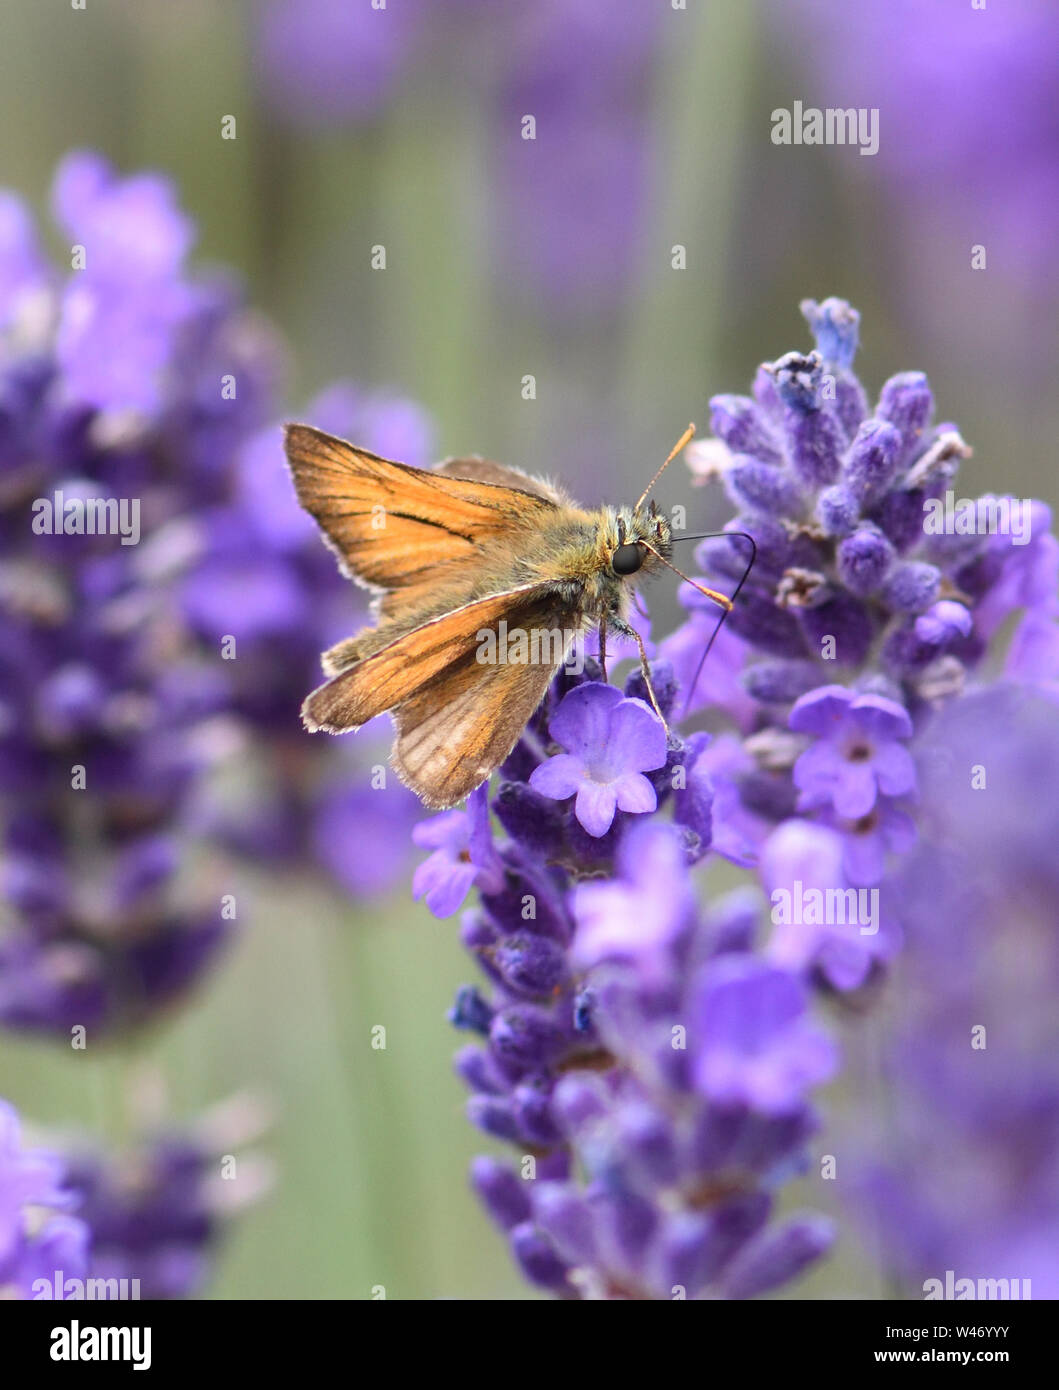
627, 559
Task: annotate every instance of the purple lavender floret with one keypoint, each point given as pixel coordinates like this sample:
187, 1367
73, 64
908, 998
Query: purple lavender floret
463, 856
940, 68
858, 754
610, 743
325, 62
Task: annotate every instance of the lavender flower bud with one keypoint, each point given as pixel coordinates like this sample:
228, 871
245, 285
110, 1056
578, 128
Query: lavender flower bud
503, 1193
567, 1221
899, 515
836, 327
780, 682
532, 819
526, 1036
762, 487
530, 965
851, 403
864, 559
778, 1256
739, 422
664, 681
647, 1138
476, 1067
533, 1115
942, 622
728, 1229
762, 623
845, 619
873, 460
837, 510
913, 586
537, 1258
814, 445
907, 403
728, 558
494, 1115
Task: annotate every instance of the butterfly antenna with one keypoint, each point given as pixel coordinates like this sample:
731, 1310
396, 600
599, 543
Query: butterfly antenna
684, 438
713, 594
728, 605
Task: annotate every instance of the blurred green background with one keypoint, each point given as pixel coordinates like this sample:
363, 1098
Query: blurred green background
371, 1147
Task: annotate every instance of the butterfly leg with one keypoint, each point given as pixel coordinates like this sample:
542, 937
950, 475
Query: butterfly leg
603, 646
627, 630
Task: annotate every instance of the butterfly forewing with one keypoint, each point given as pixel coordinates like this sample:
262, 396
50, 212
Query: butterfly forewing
396, 527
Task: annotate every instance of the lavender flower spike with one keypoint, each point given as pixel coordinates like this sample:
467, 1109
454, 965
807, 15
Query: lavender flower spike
659, 1078
654, 1060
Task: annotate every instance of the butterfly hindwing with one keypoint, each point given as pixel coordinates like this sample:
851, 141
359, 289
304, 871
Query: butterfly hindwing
392, 673
481, 470
460, 726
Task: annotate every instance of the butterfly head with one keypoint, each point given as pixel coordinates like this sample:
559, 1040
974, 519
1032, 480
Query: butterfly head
640, 536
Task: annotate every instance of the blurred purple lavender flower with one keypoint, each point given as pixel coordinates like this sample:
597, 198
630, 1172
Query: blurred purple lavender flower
137, 663
625, 918
802, 858
152, 1215
122, 317
158, 1210
758, 1049
33, 1250
967, 101
568, 225
324, 62
571, 220
963, 1177
111, 717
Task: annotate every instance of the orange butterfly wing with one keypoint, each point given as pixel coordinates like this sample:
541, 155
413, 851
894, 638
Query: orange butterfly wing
407, 530
457, 716
457, 730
